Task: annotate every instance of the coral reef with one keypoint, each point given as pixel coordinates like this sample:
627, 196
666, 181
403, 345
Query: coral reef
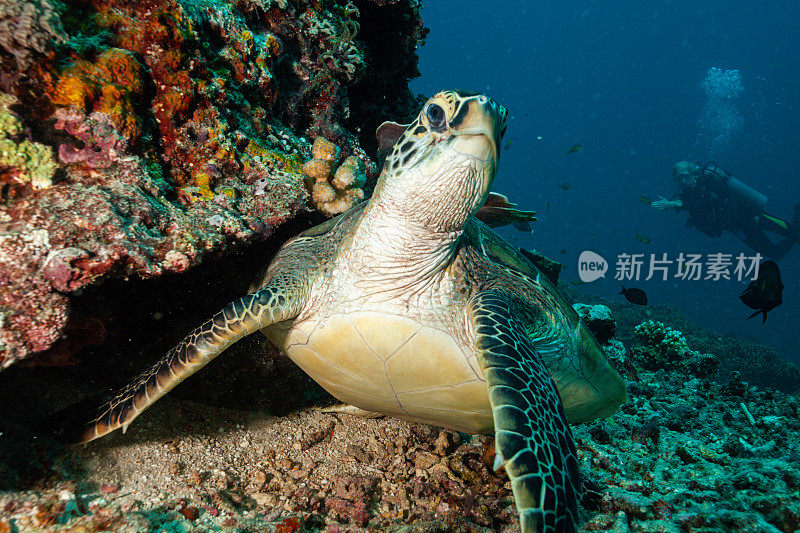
109, 85
138, 138
334, 194
715, 354
660, 346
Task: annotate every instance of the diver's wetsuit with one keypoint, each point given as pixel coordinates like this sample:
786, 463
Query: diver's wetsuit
714, 206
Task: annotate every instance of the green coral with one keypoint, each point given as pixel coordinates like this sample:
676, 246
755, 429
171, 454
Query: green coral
661, 339
661, 347
32, 162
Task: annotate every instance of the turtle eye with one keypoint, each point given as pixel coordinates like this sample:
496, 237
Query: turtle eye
436, 117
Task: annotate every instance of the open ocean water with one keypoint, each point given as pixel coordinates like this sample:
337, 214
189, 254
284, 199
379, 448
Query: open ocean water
631, 82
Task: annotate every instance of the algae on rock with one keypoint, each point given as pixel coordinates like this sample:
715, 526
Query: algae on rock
24, 161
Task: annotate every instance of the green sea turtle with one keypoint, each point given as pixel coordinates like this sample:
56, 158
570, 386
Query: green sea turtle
409, 306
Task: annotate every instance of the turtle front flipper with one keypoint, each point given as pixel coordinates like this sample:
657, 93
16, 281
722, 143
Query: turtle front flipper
532, 437
498, 211
235, 321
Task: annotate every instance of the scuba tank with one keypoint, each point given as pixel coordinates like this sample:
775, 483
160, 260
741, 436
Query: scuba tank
747, 195
744, 195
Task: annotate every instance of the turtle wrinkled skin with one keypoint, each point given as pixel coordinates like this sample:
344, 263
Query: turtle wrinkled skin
409, 306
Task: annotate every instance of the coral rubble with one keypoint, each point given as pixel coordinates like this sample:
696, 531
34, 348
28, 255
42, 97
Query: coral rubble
137, 138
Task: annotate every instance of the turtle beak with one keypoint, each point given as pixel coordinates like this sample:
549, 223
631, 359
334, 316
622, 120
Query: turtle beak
482, 116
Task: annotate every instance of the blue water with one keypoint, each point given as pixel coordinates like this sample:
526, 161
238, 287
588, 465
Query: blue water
623, 78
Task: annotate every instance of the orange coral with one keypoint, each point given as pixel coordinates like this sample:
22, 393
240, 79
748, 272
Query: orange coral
322, 193
164, 23
318, 169
324, 149
109, 85
352, 173
337, 194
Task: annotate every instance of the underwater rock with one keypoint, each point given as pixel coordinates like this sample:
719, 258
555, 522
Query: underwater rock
599, 320
140, 138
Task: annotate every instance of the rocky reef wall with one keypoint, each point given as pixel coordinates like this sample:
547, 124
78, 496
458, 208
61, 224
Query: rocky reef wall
139, 138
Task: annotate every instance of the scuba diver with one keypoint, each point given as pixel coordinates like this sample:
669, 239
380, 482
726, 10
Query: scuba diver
716, 202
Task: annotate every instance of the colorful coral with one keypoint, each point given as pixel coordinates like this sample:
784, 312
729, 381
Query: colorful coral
32, 316
334, 194
109, 85
179, 130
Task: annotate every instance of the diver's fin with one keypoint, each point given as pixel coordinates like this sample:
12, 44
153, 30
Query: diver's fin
759, 311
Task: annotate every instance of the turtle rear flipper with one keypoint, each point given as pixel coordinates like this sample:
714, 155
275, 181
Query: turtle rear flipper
235, 321
532, 436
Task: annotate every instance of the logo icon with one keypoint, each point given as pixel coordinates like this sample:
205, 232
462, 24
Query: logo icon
591, 266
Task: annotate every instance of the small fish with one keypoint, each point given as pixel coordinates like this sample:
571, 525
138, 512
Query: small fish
575, 148
507, 144
565, 185
548, 204
764, 293
563, 251
644, 239
576, 282
634, 296
524, 226
645, 200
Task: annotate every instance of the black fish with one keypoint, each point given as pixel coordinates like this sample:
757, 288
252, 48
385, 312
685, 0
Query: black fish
765, 292
575, 148
634, 296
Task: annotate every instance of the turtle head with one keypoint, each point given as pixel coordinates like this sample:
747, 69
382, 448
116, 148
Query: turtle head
442, 165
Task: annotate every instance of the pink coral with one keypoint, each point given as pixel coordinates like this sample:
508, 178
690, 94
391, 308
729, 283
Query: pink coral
102, 145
